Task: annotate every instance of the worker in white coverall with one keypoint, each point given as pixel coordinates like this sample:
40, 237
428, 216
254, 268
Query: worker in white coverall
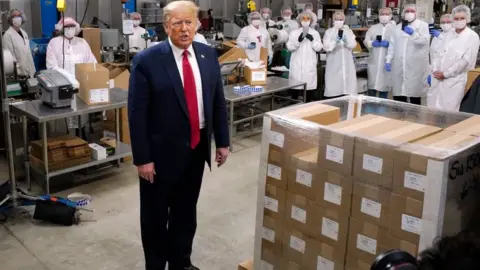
199, 37
377, 42
304, 43
253, 37
136, 42
340, 73
266, 18
288, 24
309, 7
449, 74
407, 57
66, 51
437, 47
16, 41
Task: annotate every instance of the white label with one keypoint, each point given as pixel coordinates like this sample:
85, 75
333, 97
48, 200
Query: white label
277, 139
369, 12
414, 181
297, 244
367, 244
320, 14
111, 83
324, 264
99, 95
299, 214
266, 266
371, 208
373, 164
304, 178
330, 228
274, 172
258, 76
333, 193
411, 224
334, 154
271, 204
269, 234
128, 27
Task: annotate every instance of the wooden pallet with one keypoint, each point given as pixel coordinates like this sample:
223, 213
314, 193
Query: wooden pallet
246, 265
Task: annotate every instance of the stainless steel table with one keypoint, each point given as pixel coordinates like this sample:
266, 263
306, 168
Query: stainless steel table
40, 113
274, 85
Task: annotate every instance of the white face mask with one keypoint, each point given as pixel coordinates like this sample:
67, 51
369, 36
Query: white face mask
409, 16
136, 23
256, 23
459, 24
338, 24
17, 21
308, 9
265, 16
287, 18
384, 19
69, 32
305, 23
446, 27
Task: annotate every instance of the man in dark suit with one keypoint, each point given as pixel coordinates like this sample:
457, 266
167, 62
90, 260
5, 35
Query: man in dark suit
175, 104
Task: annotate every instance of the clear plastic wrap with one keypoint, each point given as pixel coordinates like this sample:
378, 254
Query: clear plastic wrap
343, 180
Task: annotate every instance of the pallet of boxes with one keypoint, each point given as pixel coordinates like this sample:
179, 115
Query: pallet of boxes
339, 186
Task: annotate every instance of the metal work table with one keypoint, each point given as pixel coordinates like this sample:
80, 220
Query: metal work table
274, 85
36, 111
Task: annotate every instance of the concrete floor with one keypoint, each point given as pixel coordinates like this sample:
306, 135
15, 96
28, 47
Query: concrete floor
110, 238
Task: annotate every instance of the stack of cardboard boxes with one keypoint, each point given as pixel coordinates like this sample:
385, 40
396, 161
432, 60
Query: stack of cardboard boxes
338, 196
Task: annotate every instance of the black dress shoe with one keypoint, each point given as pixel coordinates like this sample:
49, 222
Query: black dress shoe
191, 267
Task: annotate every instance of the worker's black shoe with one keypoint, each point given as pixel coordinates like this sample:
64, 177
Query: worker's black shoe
191, 267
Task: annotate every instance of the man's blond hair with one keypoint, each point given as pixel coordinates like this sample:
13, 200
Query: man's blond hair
182, 5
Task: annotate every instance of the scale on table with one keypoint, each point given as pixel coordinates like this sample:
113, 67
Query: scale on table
227, 68
57, 87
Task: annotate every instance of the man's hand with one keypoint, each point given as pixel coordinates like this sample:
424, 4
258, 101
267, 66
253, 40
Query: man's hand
221, 156
147, 171
439, 75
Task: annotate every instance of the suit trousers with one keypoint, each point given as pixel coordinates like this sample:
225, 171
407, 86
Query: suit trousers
168, 213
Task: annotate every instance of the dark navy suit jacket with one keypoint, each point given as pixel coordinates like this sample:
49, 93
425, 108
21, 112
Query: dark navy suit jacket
157, 110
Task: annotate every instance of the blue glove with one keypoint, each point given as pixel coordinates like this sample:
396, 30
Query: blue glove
408, 30
339, 39
434, 33
376, 43
251, 46
429, 80
385, 43
388, 67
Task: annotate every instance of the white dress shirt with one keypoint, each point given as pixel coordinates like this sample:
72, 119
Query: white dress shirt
178, 55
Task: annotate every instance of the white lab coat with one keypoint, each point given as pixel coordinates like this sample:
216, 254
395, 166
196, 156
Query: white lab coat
200, 38
409, 58
289, 25
303, 62
136, 42
459, 57
437, 50
20, 49
378, 78
260, 36
76, 51
340, 73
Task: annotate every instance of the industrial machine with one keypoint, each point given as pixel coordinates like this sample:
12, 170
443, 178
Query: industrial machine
57, 87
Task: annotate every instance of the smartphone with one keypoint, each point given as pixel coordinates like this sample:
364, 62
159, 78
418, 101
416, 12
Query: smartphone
379, 38
404, 24
340, 33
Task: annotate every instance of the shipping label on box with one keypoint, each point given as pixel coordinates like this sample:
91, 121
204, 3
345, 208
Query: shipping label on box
371, 203
329, 226
406, 218
272, 234
322, 256
274, 201
94, 82
295, 246
367, 240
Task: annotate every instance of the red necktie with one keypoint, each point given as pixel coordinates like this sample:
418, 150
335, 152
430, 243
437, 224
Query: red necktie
191, 98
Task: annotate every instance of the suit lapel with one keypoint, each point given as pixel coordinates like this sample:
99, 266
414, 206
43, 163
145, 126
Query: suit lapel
203, 66
172, 71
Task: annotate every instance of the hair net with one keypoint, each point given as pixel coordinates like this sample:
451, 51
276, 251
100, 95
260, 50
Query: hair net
446, 16
385, 10
338, 14
253, 15
306, 14
409, 6
462, 9
135, 14
286, 8
68, 21
10, 16
308, 6
265, 10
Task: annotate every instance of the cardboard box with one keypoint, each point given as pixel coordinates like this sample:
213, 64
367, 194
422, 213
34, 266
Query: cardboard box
295, 246
276, 172
286, 140
92, 36
406, 218
371, 203
61, 149
367, 240
330, 227
375, 150
335, 192
470, 126
271, 260
303, 177
255, 76
232, 55
411, 162
471, 77
247, 265
355, 264
299, 213
274, 201
322, 256
94, 83
272, 234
